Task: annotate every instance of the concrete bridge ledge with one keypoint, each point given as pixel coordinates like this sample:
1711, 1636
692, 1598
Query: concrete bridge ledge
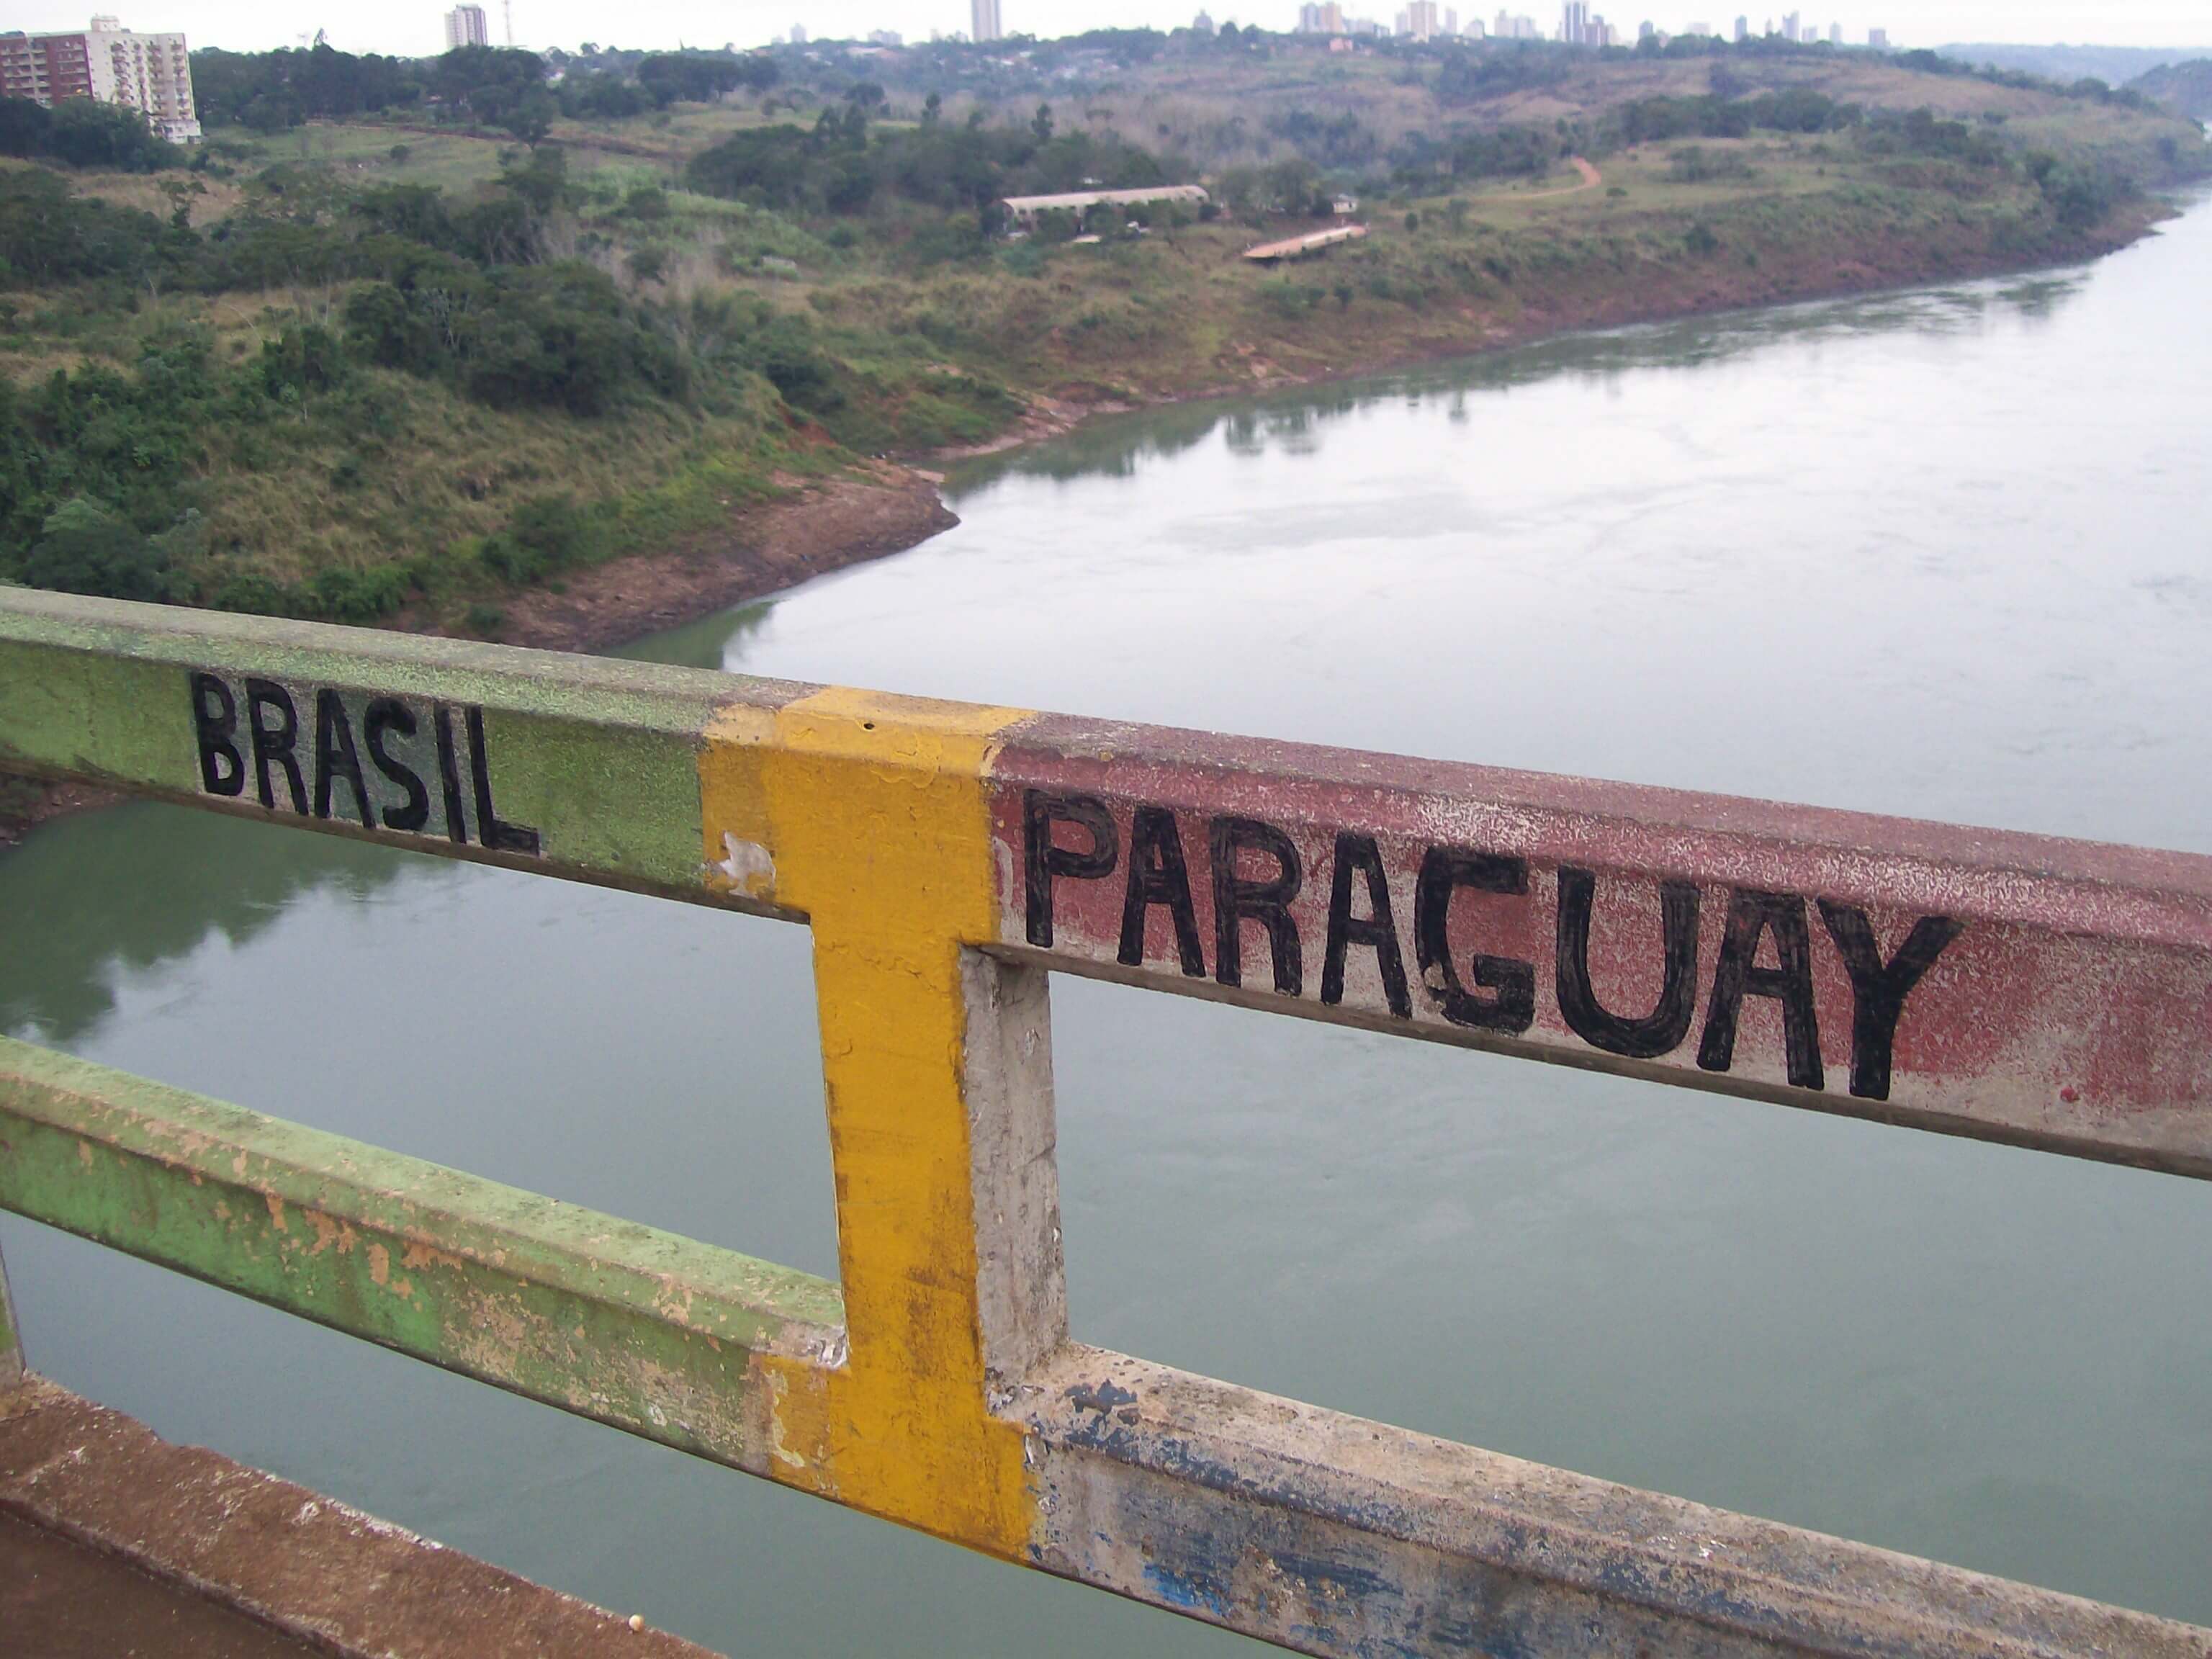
112, 1541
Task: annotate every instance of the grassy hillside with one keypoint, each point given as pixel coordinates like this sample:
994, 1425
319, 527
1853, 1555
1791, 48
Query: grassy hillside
2185, 88
399, 366
2115, 65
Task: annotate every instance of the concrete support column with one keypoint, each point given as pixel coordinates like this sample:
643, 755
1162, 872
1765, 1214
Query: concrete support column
11, 1344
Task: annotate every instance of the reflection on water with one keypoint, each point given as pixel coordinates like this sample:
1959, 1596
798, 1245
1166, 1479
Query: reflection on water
1939, 553
74, 928
707, 642
1117, 446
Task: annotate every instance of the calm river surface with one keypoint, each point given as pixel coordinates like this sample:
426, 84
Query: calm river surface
1943, 553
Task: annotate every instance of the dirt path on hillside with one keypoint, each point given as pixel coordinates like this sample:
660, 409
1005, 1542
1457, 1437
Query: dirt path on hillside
1591, 179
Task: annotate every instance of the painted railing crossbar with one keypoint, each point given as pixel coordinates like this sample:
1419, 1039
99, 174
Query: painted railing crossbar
947, 859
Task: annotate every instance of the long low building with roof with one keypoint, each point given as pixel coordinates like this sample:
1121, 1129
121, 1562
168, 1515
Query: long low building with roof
1025, 209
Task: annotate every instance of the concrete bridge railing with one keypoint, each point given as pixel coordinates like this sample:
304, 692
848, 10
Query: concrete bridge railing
948, 859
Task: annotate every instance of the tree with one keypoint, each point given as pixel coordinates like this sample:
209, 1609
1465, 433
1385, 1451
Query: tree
84, 547
530, 117
85, 134
1041, 124
932, 110
180, 192
23, 126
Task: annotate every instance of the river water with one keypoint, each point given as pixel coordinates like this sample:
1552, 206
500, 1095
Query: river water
1941, 553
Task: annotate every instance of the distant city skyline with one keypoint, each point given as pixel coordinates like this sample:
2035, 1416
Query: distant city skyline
417, 29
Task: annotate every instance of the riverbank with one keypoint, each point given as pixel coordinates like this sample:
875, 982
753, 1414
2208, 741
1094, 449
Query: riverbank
878, 509
814, 525
1660, 294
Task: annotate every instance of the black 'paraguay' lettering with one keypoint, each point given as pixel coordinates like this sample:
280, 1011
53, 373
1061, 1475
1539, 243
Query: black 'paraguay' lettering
336, 757
1662, 1030
493, 833
383, 715
1444, 871
1158, 875
274, 743
1751, 914
1377, 930
449, 775
1043, 863
1237, 901
1878, 992
215, 718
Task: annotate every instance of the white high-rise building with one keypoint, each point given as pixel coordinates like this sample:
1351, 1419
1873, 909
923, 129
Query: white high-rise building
984, 16
799, 34
1878, 38
1574, 21
110, 64
1742, 29
465, 27
1420, 19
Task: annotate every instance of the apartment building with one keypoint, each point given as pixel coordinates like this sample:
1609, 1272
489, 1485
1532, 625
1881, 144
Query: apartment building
150, 73
466, 26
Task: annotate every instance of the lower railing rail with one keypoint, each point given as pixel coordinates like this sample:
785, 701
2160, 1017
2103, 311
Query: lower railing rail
947, 859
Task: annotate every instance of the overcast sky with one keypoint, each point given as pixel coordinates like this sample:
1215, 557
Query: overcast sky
413, 27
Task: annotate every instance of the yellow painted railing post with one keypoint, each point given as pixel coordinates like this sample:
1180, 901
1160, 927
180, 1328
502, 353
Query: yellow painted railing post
868, 814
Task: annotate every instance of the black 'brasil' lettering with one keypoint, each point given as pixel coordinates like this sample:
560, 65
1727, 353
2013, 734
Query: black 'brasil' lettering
1878, 993
1237, 901
274, 735
493, 832
1376, 931
449, 775
1659, 1032
1751, 913
1043, 863
336, 757
389, 714
274, 743
1443, 870
1157, 875
222, 770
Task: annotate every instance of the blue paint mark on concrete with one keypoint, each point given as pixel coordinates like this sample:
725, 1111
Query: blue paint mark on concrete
1185, 1594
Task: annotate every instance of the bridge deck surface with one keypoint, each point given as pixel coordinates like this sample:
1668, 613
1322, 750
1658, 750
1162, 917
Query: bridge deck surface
60, 1598
114, 1541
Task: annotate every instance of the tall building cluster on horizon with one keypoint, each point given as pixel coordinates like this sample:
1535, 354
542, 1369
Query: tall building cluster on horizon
151, 74
1421, 20
465, 25
1578, 25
